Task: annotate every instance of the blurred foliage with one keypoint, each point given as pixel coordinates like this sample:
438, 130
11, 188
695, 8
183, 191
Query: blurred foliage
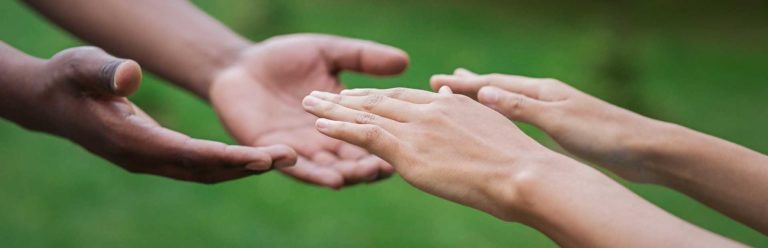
701, 64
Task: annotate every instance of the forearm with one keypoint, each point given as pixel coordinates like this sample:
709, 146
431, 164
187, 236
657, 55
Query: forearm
725, 176
576, 205
171, 38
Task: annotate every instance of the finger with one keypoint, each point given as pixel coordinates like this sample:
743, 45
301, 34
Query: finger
376, 104
403, 94
469, 85
463, 72
282, 155
92, 70
513, 105
445, 90
330, 110
363, 56
324, 158
312, 173
178, 150
355, 172
371, 137
385, 169
348, 151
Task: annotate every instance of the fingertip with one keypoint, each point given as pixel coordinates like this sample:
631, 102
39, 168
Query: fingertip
397, 62
445, 90
310, 101
489, 95
333, 181
436, 81
127, 78
323, 125
463, 72
282, 156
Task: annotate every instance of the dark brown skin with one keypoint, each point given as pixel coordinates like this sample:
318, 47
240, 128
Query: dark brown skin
79, 94
256, 88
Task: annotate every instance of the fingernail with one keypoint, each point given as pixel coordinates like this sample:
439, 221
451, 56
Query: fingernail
311, 101
323, 124
445, 90
489, 95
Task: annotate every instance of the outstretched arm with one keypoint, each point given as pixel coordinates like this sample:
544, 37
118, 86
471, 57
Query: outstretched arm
79, 94
455, 148
171, 38
729, 178
255, 88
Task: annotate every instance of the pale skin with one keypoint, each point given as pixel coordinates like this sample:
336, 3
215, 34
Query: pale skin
725, 176
80, 94
456, 148
255, 88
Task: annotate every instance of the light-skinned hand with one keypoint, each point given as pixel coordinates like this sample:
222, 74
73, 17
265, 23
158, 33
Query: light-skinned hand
259, 101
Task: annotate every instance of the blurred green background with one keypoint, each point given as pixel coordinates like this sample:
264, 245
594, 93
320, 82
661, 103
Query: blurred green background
703, 65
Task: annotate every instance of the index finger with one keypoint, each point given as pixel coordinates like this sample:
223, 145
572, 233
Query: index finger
404, 94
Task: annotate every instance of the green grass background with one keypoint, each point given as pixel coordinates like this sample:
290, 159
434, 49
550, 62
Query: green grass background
703, 65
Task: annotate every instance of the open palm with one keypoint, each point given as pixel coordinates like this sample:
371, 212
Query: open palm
259, 101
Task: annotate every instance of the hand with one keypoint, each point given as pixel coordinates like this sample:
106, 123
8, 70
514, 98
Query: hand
80, 94
259, 101
582, 124
445, 144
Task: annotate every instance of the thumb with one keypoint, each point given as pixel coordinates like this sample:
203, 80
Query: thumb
513, 105
92, 70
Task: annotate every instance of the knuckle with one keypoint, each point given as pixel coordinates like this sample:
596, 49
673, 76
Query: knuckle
365, 118
328, 107
515, 105
370, 102
335, 98
372, 133
396, 92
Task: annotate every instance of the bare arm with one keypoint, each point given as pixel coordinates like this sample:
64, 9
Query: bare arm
79, 94
455, 148
171, 38
255, 88
727, 177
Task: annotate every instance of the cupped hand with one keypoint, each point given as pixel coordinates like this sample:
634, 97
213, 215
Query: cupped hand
445, 144
80, 94
582, 124
259, 101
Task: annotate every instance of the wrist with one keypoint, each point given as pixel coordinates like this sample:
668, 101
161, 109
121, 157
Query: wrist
219, 62
515, 194
18, 85
649, 147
